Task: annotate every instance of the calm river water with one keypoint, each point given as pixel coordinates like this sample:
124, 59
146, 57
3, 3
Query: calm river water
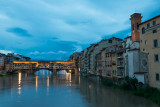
45, 90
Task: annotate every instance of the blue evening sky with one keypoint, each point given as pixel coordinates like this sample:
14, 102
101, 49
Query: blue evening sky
54, 29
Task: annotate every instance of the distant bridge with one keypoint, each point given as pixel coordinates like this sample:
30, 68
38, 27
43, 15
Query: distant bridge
53, 66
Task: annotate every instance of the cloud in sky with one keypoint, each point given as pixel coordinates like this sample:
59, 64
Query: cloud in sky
55, 26
5, 51
50, 52
19, 32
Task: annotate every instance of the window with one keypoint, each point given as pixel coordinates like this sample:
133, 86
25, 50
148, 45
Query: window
110, 41
156, 58
106, 55
137, 26
154, 23
148, 25
157, 77
155, 31
155, 43
145, 42
143, 30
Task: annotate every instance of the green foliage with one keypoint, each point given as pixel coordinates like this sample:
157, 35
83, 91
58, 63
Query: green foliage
105, 82
132, 84
129, 83
150, 93
109, 83
3, 74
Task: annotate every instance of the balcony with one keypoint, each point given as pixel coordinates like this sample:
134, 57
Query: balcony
120, 66
120, 73
120, 57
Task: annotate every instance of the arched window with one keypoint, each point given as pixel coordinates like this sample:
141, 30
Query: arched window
143, 30
137, 26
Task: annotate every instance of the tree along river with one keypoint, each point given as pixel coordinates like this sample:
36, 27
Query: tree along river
43, 89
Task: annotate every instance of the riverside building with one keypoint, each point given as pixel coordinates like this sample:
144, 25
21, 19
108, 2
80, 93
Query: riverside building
150, 44
2, 61
137, 56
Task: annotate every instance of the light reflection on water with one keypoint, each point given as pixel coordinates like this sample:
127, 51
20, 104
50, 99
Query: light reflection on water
47, 90
19, 82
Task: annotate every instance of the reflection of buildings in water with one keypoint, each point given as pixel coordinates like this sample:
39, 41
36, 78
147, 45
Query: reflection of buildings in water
26, 75
61, 77
79, 80
90, 86
19, 82
36, 83
47, 84
44, 72
43, 77
67, 77
100, 95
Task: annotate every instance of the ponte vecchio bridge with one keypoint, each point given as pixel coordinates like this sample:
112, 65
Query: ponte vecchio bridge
53, 66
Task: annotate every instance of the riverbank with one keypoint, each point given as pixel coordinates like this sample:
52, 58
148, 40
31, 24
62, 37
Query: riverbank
137, 89
5, 73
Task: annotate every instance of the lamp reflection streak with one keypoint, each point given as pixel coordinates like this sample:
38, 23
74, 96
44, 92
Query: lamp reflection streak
19, 82
36, 83
47, 85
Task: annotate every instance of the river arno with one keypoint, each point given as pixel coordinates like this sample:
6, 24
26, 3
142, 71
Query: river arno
46, 90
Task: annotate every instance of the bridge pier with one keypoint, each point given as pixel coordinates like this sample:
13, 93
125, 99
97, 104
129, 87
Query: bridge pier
54, 72
76, 72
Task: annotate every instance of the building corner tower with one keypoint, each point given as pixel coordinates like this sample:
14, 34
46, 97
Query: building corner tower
135, 21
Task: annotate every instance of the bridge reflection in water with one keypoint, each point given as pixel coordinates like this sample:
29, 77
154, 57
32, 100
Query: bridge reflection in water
43, 73
44, 76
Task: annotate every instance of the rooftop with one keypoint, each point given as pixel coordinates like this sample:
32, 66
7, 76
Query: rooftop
150, 19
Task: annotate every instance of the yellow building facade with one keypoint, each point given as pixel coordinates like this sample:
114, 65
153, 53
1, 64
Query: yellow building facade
150, 43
